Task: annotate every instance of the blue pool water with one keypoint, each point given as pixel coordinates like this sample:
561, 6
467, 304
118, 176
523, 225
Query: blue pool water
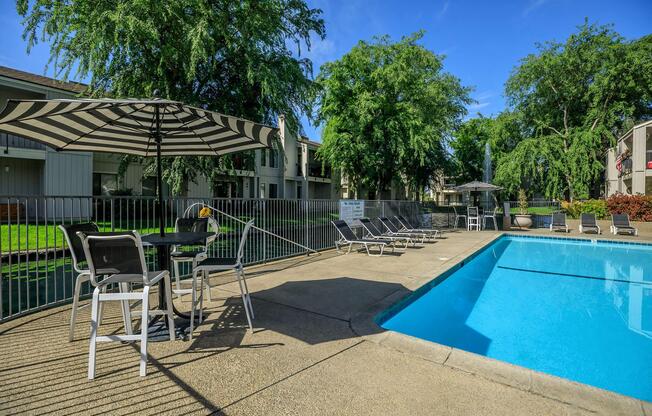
572, 308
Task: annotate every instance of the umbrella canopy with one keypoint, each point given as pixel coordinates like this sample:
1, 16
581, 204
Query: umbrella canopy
131, 127
477, 186
153, 127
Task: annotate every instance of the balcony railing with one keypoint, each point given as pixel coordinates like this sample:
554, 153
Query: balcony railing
316, 171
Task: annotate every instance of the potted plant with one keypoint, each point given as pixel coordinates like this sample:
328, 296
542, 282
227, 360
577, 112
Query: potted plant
523, 219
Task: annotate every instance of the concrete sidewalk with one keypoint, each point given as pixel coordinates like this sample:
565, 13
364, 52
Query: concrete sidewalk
314, 351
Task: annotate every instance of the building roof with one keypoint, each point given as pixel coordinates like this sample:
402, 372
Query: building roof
304, 139
639, 125
74, 87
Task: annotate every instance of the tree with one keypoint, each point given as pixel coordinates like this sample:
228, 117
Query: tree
229, 56
574, 98
386, 109
468, 148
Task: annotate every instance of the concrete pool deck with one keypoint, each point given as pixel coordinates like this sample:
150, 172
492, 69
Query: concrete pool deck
315, 350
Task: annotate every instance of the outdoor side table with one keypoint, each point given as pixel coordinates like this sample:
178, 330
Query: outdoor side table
163, 245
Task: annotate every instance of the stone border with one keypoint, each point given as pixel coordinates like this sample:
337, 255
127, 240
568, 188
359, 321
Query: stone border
582, 396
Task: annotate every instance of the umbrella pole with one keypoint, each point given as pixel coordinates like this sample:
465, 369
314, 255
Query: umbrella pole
159, 174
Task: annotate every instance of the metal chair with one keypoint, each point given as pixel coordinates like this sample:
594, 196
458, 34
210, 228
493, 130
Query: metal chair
473, 218
79, 264
458, 217
194, 255
119, 258
492, 217
215, 264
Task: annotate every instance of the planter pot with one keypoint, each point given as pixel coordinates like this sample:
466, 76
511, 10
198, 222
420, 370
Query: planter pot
523, 221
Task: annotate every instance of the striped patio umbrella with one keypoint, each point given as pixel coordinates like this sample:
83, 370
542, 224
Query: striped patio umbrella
151, 127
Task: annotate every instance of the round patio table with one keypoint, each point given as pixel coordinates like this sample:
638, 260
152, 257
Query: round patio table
163, 245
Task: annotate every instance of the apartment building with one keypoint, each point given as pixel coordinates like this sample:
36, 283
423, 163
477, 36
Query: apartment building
290, 171
629, 163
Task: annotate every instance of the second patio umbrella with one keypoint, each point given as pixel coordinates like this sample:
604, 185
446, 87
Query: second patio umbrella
150, 127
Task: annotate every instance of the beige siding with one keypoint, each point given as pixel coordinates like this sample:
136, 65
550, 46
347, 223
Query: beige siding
68, 173
21, 177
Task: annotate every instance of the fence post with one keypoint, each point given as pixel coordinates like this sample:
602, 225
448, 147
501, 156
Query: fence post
306, 207
112, 210
264, 234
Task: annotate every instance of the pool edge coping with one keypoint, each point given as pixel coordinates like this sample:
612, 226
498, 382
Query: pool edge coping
568, 392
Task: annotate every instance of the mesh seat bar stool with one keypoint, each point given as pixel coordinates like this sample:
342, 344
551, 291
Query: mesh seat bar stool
179, 255
491, 217
80, 266
458, 217
473, 218
214, 264
119, 258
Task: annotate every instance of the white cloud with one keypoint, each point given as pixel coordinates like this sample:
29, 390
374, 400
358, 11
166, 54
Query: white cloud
534, 4
443, 10
477, 106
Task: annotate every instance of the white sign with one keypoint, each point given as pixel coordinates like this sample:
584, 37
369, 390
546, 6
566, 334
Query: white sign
351, 210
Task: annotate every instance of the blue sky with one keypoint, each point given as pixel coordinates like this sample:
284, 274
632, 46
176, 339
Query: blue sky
482, 40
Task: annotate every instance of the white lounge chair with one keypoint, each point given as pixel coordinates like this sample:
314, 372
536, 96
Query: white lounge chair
588, 224
348, 237
558, 222
620, 223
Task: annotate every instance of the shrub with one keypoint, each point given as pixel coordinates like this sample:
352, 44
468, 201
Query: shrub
598, 207
638, 207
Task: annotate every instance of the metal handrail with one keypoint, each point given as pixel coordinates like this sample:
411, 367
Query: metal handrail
188, 210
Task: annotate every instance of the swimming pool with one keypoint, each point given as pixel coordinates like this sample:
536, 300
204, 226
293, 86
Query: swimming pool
577, 309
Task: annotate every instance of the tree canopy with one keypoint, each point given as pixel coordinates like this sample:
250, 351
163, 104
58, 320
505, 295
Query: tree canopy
387, 108
234, 57
573, 98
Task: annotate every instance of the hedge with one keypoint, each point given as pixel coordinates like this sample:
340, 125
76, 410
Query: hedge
638, 207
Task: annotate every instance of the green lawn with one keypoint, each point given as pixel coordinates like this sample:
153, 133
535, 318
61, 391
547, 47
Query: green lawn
18, 237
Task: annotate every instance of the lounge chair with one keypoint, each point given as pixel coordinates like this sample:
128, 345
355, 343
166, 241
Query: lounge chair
393, 230
374, 233
347, 236
588, 224
558, 222
405, 225
620, 223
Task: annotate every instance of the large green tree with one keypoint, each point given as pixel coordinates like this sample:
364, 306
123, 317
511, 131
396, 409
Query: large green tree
468, 148
235, 57
573, 98
387, 109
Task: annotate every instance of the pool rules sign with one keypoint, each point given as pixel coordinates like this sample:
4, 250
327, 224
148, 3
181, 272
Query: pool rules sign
351, 210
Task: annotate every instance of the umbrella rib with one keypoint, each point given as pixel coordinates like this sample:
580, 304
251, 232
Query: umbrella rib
242, 135
94, 130
197, 136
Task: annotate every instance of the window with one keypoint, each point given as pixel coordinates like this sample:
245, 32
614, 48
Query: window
263, 157
273, 158
262, 190
149, 186
273, 191
299, 189
104, 183
299, 162
252, 187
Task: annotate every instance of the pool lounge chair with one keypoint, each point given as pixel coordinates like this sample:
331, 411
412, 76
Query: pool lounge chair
558, 222
375, 234
588, 224
404, 225
620, 223
347, 236
395, 231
